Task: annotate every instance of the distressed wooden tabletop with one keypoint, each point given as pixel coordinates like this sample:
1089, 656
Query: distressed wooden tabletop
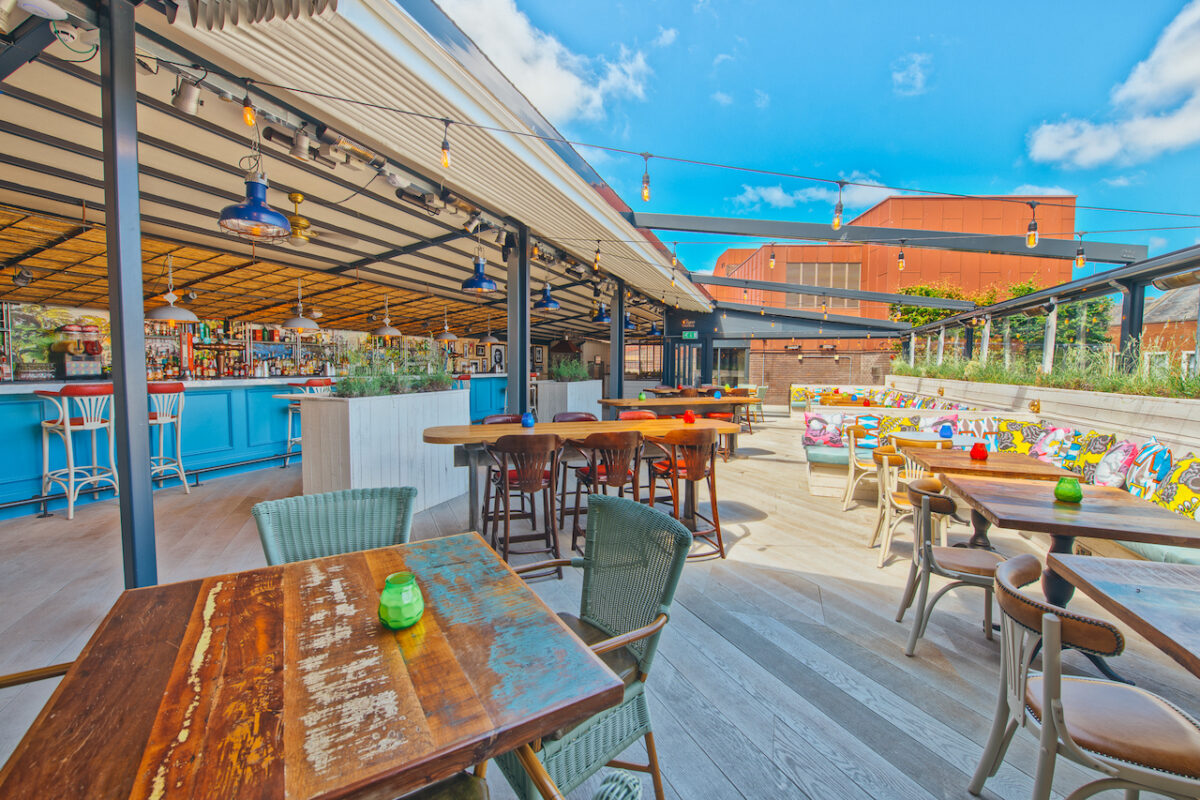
1159, 601
997, 465
676, 402
281, 682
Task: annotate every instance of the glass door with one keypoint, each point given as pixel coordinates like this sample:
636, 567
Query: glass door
730, 366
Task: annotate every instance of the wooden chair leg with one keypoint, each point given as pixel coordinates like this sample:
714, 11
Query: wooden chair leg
575, 530
716, 514
655, 773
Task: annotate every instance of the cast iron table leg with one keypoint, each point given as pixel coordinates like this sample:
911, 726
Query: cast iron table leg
689, 504
980, 538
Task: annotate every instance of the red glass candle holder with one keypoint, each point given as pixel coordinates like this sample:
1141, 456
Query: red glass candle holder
689, 417
979, 452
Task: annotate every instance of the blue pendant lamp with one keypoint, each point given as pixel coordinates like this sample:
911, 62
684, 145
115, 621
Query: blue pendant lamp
629, 325
654, 331
602, 315
547, 302
253, 218
479, 282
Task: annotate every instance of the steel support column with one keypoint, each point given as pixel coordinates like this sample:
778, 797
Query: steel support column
1048, 340
1196, 353
969, 343
912, 349
123, 237
518, 325
941, 345
616, 346
706, 360
987, 340
1133, 306
1007, 342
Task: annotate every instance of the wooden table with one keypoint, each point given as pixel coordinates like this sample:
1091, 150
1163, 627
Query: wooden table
281, 682
957, 440
1105, 513
474, 439
694, 403
997, 465
1159, 601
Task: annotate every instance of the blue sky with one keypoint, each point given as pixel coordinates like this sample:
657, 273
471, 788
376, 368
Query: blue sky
1100, 99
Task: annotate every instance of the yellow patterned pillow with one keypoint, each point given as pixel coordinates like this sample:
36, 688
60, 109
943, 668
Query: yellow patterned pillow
1180, 490
893, 424
1017, 436
1090, 454
1083, 443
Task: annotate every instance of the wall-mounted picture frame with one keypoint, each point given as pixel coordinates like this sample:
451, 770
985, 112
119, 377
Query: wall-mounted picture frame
538, 355
473, 366
481, 351
497, 358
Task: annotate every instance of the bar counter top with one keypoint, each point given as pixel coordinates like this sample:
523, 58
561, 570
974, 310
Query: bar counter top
29, 387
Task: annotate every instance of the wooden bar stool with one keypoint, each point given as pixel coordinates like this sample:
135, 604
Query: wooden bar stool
691, 456
310, 386
649, 454
571, 459
486, 516
166, 408
90, 403
526, 464
613, 460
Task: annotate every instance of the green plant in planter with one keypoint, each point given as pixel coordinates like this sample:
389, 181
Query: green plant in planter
436, 381
569, 370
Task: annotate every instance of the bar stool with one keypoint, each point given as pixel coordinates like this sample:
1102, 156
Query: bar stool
166, 408
613, 459
526, 464
310, 386
486, 516
92, 402
692, 456
571, 459
647, 457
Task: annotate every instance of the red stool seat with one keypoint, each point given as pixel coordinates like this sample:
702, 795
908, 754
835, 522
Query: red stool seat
586, 472
76, 422
725, 415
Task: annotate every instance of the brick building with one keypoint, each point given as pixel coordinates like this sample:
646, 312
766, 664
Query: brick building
873, 267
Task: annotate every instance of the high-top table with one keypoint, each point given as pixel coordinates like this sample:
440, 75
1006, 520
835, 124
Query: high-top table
473, 439
281, 682
1159, 601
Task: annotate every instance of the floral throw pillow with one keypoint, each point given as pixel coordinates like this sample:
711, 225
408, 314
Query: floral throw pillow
1180, 490
1151, 464
893, 424
1092, 451
1114, 465
1018, 436
821, 430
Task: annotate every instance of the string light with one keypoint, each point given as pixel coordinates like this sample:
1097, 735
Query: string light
672, 278
837, 209
446, 145
1031, 235
674, 256
1080, 258
771, 260
646, 178
248, 114
596, 258
900, 258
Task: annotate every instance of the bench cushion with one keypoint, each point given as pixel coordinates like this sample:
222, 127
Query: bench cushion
820, 454
1168, 554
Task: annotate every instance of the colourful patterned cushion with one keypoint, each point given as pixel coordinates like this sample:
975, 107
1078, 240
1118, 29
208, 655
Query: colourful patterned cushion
1114, 466
892, 424
935, 424
1151, 464
1052, 444
871, 423
1078, 444
1018, 436
978, 427
822, 430
1089, 456
1180, 490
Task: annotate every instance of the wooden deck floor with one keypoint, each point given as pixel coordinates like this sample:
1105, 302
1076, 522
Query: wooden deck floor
781, 674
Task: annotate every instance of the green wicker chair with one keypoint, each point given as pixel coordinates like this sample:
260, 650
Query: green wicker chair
316, 525
632, 559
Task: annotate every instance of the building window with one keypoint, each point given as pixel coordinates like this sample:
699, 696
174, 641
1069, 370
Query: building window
833, 275
643, 360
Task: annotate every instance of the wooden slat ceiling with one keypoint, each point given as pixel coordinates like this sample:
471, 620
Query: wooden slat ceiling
69, 267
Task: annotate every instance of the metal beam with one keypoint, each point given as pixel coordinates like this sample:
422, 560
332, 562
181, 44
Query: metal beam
1103, 252
402, 251
123, 238
518, 324
828, 291
1051, 333
616, 346
41, 248
769, 314
1133, 307
29, 39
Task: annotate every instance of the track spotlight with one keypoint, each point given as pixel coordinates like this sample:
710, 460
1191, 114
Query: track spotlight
186, 96
300, 146
22, 278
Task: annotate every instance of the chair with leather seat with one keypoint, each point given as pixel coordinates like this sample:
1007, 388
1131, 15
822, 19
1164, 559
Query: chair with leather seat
526, 465
310, 386
166, 408
613, 459
571, 459
649, 454
894, 506
79, 408
962, 565
691, 455
491, 478
632, 559
857, 469
1134, 738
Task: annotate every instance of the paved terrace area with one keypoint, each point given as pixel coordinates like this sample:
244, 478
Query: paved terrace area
781, 674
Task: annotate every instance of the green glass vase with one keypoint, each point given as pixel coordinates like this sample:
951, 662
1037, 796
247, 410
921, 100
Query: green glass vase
400, 602
1067, 490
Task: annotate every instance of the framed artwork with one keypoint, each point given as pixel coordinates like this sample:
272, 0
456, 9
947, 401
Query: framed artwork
473, 366
497, 358
481, 351
537, 356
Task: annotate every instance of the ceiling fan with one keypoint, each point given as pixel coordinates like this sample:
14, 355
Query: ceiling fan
303, 231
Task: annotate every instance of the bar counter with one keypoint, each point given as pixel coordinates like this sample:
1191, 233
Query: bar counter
225, 422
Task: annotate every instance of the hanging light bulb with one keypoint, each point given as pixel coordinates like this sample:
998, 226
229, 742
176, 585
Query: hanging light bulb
745, 293
253, 219
900, 258
771, 260
444, 335
299, 322
1031, 235
1080, 258
386, 328
446, 145
672, 279
534, 252
824, 309
762, 311
170, 312
248, 114
646, 179
724, 315
596, 258
837, 209
674, 255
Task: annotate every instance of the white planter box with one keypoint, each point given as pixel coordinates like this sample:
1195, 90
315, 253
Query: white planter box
1174, 421
555, 397
368, 442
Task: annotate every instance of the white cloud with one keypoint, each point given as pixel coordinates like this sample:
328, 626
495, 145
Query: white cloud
1032, 189
562, 84
1157, 243
721, 59
853, 196
1155, 110
721, 98
761, 98
1120, 181
910, 73
666, 37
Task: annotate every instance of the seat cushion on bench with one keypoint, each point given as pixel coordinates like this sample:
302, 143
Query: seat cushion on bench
1168, 554
820, 454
